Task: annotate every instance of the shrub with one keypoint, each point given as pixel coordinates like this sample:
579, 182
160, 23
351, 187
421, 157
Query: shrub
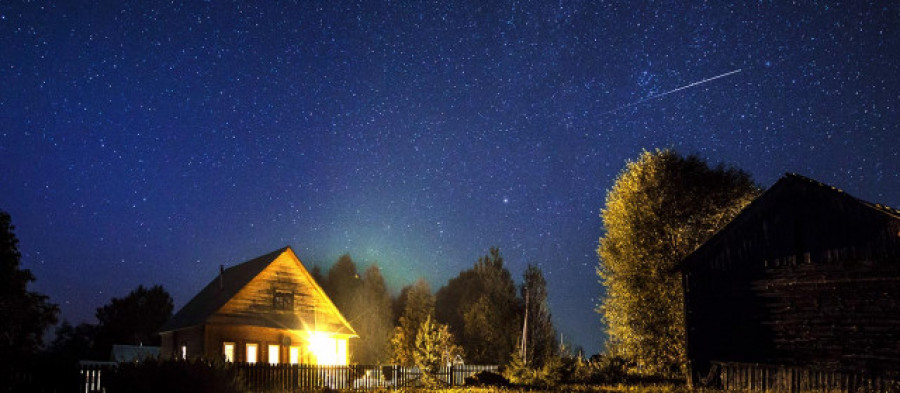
605, 369
486, 378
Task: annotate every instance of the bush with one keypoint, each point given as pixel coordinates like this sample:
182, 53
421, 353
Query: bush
173, 376
604, 369
486, 378
556, 370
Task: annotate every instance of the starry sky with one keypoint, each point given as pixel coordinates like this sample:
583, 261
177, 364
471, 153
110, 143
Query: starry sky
146, 142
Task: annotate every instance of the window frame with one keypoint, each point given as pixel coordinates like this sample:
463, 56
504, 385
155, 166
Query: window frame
255, 347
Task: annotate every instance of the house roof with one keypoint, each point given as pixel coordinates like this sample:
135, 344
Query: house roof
785, 182
226, 285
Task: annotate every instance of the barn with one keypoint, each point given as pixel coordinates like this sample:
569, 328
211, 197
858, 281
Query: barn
801, 291
268, 309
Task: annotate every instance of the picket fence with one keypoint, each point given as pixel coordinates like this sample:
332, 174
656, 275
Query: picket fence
754, 377
299, 378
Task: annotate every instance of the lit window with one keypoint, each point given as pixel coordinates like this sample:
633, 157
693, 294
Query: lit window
273, 354
251, 353
295, 355
229, 352
328, 350
184, 351
341, 352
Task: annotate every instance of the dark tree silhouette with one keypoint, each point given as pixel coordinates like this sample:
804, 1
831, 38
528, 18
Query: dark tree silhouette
24, 315
481, 307
540, 340
132, 320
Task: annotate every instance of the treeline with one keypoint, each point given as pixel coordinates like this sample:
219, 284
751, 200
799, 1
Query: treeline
481, 313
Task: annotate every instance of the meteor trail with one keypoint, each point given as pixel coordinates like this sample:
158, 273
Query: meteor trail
674, 90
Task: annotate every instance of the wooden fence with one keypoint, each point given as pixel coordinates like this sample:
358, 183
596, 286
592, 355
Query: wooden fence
751, 377
298, 378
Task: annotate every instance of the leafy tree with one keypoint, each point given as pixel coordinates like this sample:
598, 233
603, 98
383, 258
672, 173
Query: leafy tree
372, 319
418, 308
398, 304
480, 305
661, 208
316, 274
73, 343
435, 348
134, 319
342, 283
366, 304
540, 336
24, 315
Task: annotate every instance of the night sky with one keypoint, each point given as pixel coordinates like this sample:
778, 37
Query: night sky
148, 143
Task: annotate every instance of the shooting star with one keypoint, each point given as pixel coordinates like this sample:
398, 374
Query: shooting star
663, 94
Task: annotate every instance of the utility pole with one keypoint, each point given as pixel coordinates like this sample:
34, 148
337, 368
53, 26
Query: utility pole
524, 348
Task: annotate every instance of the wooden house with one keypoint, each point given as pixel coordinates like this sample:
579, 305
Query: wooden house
268, 309
805, 277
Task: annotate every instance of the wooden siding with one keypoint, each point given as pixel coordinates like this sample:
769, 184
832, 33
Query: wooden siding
217, 335
254, 304
172, 341
805, 276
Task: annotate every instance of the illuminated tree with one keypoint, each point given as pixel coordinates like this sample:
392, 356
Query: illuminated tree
661, 208
418, 308
434, 349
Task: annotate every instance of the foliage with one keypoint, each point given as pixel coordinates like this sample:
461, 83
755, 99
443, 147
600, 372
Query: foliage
134, 319
486, 378
174, 376
661, 208
419, 307
555, 371
365, 303
541, 336
372, 319
342, 283
434, 348
480, 306
24, 315
607, 369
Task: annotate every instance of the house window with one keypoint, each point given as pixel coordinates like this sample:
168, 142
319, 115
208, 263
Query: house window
251, 353
341, 352
283, 300
294, 355
184, 351
273, 354
228, 350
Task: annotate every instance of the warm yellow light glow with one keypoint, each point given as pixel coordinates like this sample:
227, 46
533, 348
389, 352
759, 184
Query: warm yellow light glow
229, 352
251, 353
295, 355
273, 354
328, 350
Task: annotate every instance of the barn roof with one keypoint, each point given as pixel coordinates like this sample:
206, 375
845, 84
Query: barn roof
226, 285
788, 181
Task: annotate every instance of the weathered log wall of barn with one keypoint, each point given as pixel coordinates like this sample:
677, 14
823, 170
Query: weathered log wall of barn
806, 275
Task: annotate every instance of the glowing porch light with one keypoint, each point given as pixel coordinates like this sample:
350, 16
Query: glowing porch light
327, 350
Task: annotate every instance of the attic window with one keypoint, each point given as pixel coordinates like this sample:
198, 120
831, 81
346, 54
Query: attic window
283, 300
